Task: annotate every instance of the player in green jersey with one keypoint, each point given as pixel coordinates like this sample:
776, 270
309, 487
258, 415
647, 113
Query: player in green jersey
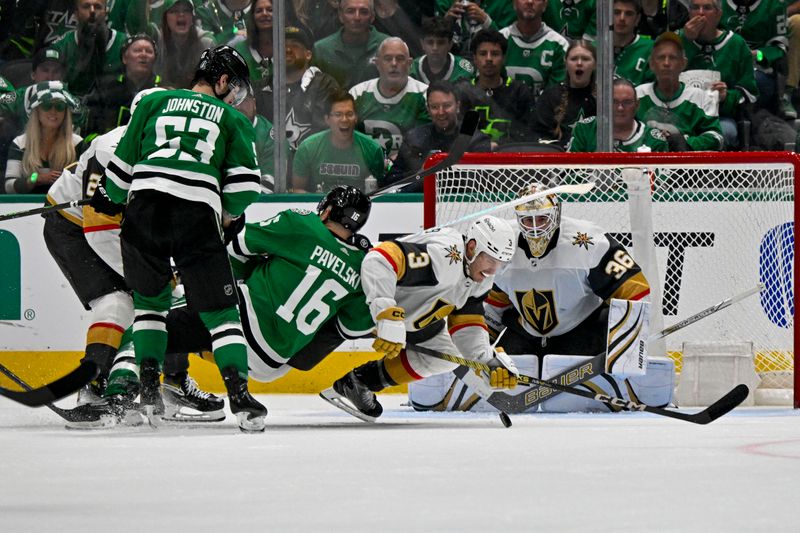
186, 164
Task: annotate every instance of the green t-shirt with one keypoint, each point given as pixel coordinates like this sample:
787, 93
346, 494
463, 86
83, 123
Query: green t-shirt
730, 56
691, 111
348, 64
387, 119
189, 145
326, 166
299, 276
539, 61
631, 62
643, 138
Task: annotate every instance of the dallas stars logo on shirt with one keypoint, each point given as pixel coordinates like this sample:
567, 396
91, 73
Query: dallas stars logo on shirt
582, 240
453, 254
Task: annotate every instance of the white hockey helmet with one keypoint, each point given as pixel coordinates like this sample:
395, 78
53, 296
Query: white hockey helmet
538, 219
494, 236
141, 94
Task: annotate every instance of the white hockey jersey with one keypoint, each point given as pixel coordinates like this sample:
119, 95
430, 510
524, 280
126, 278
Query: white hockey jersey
577, 274
425, 275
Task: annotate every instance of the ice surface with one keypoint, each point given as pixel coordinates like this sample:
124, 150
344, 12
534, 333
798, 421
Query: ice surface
319, 469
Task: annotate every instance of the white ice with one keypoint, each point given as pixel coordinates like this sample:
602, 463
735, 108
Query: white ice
318, 469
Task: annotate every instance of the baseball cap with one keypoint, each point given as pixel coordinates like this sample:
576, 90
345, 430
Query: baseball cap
47, 54
299, 34
669, 36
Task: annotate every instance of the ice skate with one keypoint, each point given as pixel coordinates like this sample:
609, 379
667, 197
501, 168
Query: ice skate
184, 401
105, 413
250, 414
92, 392
351, 395
151, 402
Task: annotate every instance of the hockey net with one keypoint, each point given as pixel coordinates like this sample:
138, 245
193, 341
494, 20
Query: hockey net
721, 223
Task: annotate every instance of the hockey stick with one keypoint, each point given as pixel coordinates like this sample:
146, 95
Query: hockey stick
706, 312
51, 392
45, 209
468, 126
518, 403
719, 408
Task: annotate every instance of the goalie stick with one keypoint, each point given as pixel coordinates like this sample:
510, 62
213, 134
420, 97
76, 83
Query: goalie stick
46, 395
719, 408
468, 127
518, 403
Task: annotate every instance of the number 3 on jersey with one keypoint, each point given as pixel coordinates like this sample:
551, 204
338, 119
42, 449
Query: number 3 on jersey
621, 263
314, 311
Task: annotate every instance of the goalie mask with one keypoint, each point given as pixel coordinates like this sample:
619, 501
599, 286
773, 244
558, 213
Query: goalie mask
538, 219
349, 207
493, 236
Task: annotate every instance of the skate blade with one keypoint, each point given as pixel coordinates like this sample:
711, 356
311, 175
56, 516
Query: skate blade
247, 424
337, 400
182, 415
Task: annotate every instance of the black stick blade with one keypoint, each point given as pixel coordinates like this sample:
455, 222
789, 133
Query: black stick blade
724, 405
56, 390
470, 123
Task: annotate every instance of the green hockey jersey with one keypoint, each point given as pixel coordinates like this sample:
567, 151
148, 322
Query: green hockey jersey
762, 24
387, 119
643, 139
631, 62
539, 61
579, 18
298, 276
190, 145
458, 68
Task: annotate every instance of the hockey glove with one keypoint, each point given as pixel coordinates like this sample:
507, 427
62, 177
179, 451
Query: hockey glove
504, 372
391, 331
103, 204
235, 225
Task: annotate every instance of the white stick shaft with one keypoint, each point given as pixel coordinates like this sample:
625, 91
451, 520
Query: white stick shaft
578, 188
706, 312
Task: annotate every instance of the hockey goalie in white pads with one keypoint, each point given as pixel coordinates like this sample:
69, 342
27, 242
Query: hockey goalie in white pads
433, 285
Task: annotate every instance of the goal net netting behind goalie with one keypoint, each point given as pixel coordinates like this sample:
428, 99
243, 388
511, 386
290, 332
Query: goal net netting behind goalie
703, 226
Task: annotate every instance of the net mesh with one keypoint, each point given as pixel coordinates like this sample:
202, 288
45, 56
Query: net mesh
719, 228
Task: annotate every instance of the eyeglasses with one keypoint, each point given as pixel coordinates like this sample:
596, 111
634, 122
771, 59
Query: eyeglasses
58, 106
624, 103
339, 114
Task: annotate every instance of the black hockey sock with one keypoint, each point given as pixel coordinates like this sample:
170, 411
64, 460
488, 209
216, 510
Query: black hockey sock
374, 376
176, 363
102, 355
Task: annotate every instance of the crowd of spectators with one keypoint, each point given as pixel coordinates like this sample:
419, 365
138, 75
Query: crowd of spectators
374, 86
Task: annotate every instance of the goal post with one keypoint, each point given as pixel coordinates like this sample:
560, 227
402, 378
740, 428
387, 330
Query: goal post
704, 226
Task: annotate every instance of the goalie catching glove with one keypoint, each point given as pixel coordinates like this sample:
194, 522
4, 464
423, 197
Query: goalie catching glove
391, 333
504, 372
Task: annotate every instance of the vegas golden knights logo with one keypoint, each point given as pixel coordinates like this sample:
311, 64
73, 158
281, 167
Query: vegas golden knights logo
538, 310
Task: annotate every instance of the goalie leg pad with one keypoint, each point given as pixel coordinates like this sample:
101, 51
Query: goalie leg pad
628, 331
653, 388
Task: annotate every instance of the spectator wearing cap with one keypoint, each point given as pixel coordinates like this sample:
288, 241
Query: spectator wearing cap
109, 102
348, 54
308, 90
687, 116
91, 51
179, 41
38, 156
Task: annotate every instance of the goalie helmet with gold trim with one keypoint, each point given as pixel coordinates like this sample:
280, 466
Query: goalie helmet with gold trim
538, 219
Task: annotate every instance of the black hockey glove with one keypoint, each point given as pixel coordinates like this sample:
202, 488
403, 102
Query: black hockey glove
359, 241
677, 143
232, 230
103, 204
